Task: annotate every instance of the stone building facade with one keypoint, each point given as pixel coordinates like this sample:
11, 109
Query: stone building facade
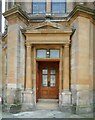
48, 55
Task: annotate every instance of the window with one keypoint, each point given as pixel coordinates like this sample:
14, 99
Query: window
44, 77
9, 5
41, 53
52, 77
54, 53
38, 7
50, 53
58, 7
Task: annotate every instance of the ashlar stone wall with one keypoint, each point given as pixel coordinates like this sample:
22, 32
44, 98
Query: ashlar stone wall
81, 52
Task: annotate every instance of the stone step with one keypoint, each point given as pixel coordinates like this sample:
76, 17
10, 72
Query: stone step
48, 100
50, 104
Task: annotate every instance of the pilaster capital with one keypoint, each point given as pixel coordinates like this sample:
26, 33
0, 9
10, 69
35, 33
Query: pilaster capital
28, 45
66, 45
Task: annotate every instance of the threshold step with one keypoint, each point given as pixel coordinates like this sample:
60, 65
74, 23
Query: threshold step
48, 100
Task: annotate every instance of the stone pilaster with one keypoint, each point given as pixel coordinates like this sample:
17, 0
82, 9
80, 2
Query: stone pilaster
81, 68
28, 67
61, 75
66, 68
0, 66
27, 95
66, 94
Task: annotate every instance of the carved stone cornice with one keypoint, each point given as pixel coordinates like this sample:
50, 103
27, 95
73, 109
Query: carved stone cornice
16, 10
47, 27
81, 10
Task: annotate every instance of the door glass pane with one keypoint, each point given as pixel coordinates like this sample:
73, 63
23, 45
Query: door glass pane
52, 72
44, 80
44, 71
54, 53
41, 53
52, 80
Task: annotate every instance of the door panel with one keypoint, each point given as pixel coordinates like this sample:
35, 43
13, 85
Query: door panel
49, 80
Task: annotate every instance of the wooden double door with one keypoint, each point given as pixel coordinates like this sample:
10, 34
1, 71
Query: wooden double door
48, 80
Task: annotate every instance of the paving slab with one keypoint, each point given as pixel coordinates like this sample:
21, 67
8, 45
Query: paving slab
44, 114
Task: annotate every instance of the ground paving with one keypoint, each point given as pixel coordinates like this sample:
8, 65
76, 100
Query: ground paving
44, 114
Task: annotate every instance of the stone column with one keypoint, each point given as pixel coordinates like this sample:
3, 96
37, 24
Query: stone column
27, 95
1, 66
66, 68
28, 67
66, 94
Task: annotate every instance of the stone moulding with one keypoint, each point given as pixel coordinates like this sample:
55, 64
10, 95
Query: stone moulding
16, 9
76, 10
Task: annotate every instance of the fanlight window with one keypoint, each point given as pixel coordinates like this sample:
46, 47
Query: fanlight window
51, 53
41, 53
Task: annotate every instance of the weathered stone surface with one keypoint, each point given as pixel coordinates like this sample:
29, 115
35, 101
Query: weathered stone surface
81, 52
1, 66
27, 100
66, 98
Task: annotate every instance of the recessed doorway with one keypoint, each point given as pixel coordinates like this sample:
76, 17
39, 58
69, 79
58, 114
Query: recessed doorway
47, 83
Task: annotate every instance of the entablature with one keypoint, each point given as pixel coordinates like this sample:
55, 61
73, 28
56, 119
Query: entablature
48, 33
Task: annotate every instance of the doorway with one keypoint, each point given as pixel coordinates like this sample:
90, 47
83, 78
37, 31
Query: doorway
47, 85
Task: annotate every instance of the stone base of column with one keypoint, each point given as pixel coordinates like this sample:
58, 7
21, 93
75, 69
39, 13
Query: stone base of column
94, 101
65, 102
84, 103
12, 101
84, 109
28, 100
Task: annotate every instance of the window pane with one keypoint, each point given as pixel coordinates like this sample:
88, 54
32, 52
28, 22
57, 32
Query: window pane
41, 53
58, 6
39, 7
52, 72
54, 53
44, 80
44, 71
52, 80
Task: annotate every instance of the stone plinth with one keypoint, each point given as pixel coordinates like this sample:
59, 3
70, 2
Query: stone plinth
84, 101
65, 103
66, 98
27, 100
12, 100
